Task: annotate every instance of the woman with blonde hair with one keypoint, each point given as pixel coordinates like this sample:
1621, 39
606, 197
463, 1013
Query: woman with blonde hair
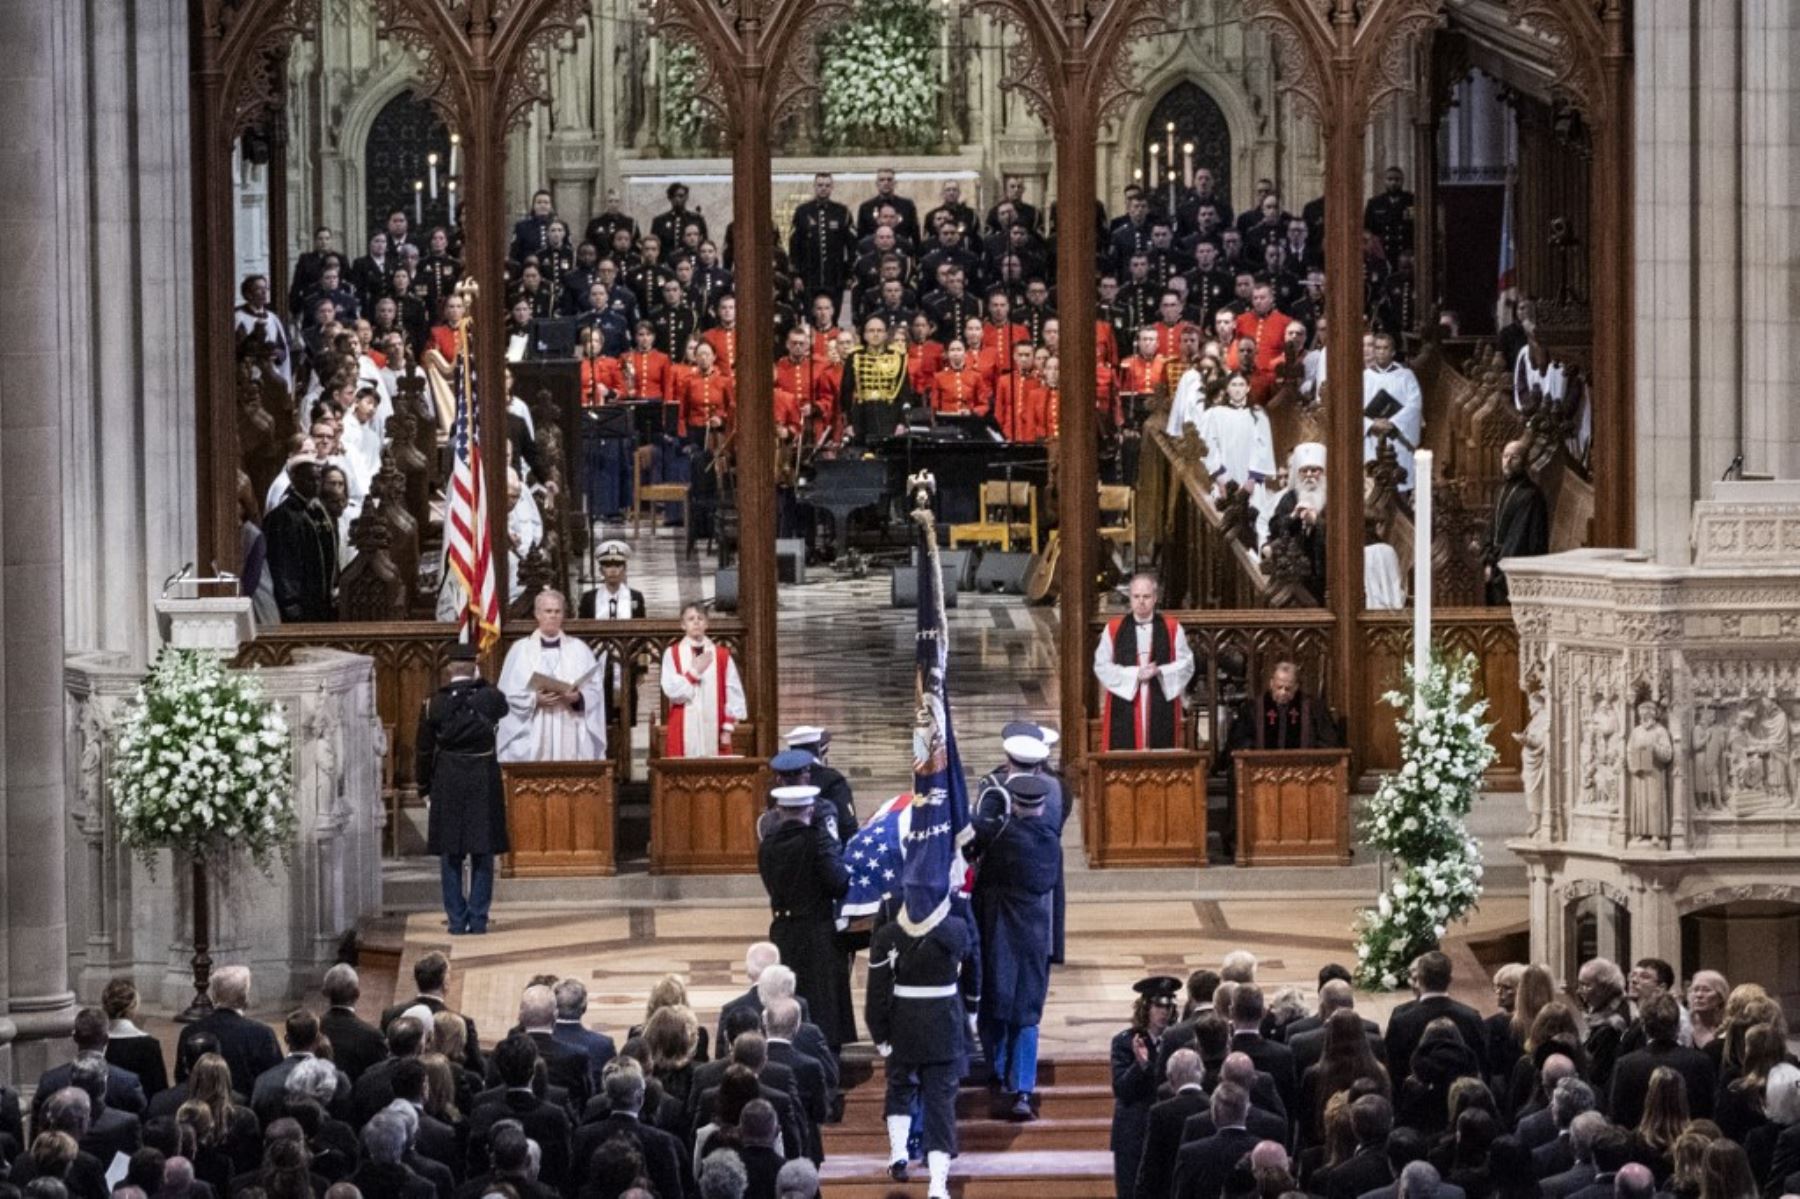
1747, 1006
1688, 1156
1664, 1119
442, 1101
1725, 1172
1555, 1029
231, 1137
449, 1034
671, 1036
1739, 1110
671, 991
1707, 992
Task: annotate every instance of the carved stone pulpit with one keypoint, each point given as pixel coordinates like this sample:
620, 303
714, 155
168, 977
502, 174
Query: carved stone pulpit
1661, 769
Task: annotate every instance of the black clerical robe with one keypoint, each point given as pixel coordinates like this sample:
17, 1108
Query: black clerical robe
1311, 541
1301, 723
1520, 529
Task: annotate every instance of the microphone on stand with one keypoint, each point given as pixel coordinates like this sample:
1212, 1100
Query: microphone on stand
1735, 470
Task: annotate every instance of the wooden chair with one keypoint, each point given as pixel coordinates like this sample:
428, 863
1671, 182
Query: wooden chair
1118, 518
1008, 510
650, 494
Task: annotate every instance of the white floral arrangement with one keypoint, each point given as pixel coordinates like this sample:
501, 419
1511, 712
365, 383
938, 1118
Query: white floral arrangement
879, 82
203, 763
684, 116
1416, 819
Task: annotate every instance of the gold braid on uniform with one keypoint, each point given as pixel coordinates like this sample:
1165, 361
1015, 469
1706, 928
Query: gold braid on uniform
879, 374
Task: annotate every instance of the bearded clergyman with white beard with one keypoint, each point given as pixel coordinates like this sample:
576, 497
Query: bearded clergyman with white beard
1301, 513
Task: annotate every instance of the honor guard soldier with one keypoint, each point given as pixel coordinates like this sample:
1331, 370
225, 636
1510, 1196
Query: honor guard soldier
923, 994
790, 770
613, 599
822, 244
459, 778
834, 788
803, 871
1015, 907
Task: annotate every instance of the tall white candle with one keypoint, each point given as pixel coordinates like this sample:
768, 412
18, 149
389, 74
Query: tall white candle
431, 161
450, 190
455, 150
1421, 574
1187, 164
418, 201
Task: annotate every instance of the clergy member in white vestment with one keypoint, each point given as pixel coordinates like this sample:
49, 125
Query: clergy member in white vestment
1144, 663
1384, 374
705, 693
1240, 448
1189, 405
524, 529
552, 725
1383, 588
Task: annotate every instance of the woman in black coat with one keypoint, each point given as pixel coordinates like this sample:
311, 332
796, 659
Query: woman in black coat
131, 1048
1134, 1078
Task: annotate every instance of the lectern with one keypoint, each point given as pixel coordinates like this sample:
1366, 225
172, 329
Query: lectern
1293, 807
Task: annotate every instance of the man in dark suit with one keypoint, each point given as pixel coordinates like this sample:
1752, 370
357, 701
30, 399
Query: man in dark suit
1271, 1057
757, 1128
1308, 1044
433, 1138
544, 1121
1328, 973
665, 1162
565, 1065
1660, 1017
375, 1089
123, 1090
384, 1170
1612, 1153
1405, 1146
509, 1153
109, 1130
431, 974
355, 1043
1202, 1167
1162, 1141
571, 1006
248, 1046
1537, 1126
1372, 1119
268, 1095
775, 1083
1578, 1151
1431, 985
781, 1021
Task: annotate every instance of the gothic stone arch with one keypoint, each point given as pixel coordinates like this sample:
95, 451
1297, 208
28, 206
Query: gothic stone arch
1183, 73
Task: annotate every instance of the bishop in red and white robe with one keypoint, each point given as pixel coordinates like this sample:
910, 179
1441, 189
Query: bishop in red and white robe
1142, 713
706, 697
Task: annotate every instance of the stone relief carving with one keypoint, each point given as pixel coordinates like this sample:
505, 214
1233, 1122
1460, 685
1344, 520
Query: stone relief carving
1649, 751
1601, 750
94, 725
1708, 739
1534, 745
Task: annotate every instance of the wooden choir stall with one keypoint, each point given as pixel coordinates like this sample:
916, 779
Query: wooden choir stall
1146, 807
1293, 807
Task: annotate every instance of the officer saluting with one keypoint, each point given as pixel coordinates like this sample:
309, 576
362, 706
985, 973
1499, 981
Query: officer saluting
803, 871
834, 788
922, 997
459, 777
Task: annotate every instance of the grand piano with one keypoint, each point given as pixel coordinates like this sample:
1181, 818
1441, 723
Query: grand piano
961, 453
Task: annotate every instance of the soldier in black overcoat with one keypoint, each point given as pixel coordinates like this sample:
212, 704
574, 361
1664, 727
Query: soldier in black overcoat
459, 777
803, 870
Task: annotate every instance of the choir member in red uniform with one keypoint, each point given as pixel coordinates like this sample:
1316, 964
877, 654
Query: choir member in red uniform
1169, 324
796, 380
1267, 326
831, 382
824, 325
602, 378
924, 355
1011, 398
723, 337
1002, 330
1047, 401
646, 368
988, 359
1106, 344
708, 396
960, 387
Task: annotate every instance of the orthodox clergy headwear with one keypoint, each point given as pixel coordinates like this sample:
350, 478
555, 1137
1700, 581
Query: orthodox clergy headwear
795, 797
1307, 453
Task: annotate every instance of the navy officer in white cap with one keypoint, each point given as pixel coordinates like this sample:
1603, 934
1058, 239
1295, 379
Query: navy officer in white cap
803, 871
1027, 748
613, 600
834, 788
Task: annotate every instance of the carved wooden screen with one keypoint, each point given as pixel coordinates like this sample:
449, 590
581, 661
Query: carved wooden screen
403, 133
1198, 119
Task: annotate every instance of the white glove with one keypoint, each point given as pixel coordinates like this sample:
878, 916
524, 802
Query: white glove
884, 1050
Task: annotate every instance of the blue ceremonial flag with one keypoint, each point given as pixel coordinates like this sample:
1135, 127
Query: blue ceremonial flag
875, 856
934, 844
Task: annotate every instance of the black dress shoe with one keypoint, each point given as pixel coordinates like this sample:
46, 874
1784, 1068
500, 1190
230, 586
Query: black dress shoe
897, 1171
1021, 1108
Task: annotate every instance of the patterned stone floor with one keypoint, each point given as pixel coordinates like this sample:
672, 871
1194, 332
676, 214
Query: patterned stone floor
620, 952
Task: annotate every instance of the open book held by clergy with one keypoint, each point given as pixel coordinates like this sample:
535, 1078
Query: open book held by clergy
549, 683
555, 697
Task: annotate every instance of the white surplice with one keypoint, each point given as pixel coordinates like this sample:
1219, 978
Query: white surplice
1399, 382
1121, 678
528, 733
1189, 404
1239, 443
1383, 588
695, 702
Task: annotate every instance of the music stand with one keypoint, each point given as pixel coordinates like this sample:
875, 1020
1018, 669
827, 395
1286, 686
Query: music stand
553, 337
651, 419
611, 420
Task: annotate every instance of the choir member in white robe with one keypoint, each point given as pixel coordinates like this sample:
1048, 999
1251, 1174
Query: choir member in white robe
706, 696
1384, 374
1382, 585
1264, 500
1240, 448
1189, 405
552, 726
362, 433
254, 318
1312, 383
524, 529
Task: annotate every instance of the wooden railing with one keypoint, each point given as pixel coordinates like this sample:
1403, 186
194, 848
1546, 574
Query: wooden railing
410, 655
1234, 651
1200, 558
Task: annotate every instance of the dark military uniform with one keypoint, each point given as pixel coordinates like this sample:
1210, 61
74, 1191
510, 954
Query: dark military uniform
951, 313
303, 559
922, 991
822, 246
803, 871
529, 237
438, 277
1210, 291
459, 774
675, 323
1389, 216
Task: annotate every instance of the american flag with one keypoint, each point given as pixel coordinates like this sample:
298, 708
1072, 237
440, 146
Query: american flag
935, 863
468, 546
875, 857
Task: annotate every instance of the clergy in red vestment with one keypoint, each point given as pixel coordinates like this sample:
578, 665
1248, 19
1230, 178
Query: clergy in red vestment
1267, 326
1144, 664
959, 388
706, 696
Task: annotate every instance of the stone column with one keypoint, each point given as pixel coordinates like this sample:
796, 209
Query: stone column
34, 386
1770, 124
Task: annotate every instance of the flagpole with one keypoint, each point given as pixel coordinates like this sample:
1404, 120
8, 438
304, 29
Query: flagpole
1422, 541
